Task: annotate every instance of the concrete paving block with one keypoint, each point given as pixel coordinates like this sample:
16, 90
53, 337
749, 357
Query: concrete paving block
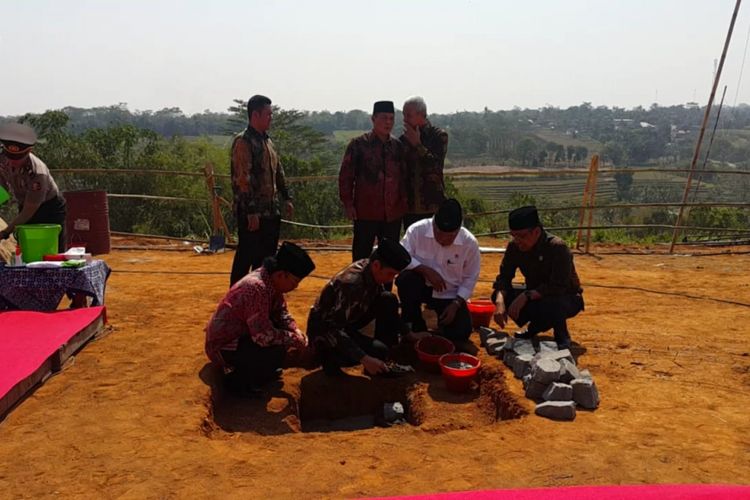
536, 358
585, 393
509, 358
498, 335
526, 380
535, 390
558, 355
523, 346
509, 343
558, 391
497, 350
568, 371
485, 333
546, 371
557, 410
522, 365
494, 346
547, 346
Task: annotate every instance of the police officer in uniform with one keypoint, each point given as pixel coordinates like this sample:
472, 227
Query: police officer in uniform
29, 182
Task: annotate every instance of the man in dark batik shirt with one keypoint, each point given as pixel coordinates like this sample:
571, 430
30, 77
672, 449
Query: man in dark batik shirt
350, 301
259, 188
372, 186
553, 291
425, 147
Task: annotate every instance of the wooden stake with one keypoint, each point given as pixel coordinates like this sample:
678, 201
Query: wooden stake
218, 222
584, 204
592, 197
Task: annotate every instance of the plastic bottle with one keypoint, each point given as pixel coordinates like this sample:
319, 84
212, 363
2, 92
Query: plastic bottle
19, 255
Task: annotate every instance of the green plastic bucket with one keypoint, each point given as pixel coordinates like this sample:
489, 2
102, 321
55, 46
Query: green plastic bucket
4, 196
37, 240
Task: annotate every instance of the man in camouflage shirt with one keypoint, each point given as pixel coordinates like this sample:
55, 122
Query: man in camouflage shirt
372, 183
351, 300
425, 147
259, 188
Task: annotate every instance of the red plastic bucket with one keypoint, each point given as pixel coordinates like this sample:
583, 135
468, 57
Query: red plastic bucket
481, 311
429, 350
459, 379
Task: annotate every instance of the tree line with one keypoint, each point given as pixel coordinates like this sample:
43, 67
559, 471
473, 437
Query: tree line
545, 137
116, 138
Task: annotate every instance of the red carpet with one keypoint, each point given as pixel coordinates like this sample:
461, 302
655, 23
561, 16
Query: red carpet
35, 344
636, 492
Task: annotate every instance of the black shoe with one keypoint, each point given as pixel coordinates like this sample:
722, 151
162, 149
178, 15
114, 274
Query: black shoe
244, 390
333, 371
524, 335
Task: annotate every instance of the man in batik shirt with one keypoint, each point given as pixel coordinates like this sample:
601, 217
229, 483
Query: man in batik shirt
251, 331
259, 188
372, 184
425, 147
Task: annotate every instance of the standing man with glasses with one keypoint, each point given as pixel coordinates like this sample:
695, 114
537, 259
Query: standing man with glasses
553, 291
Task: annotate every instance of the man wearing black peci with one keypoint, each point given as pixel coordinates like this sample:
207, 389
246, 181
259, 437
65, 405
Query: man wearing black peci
553, 291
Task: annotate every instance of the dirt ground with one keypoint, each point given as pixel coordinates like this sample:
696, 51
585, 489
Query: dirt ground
666, 339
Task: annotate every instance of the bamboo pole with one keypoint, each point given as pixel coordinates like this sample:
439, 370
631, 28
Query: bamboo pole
582, 212
678, 222
592, 198
710, 143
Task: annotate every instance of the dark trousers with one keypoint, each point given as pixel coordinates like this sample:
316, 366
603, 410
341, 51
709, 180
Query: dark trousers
254, 246
253, 365
388, 324
365, 232
413, 292
548, 312
410, 219
52, 212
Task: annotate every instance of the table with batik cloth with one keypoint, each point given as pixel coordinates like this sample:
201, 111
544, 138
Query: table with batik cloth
42, 289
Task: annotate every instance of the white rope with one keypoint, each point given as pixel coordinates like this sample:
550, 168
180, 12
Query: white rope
315, 225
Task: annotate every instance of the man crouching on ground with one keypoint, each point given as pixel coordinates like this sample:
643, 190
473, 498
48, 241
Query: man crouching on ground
553, 291
351, 300
442, 274
251, 331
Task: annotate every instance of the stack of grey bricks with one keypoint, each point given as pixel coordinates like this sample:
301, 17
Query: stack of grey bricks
550, 376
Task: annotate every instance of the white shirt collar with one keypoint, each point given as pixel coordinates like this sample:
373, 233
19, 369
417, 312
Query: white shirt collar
460, 237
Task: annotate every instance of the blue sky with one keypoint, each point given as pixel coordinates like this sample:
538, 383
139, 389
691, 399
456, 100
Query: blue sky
341, 55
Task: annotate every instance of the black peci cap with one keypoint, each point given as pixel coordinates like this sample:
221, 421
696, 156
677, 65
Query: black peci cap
523, 218
294, 259
393, 254
383, 107
449, 216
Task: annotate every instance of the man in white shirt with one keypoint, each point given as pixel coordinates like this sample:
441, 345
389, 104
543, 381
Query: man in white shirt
444, 269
